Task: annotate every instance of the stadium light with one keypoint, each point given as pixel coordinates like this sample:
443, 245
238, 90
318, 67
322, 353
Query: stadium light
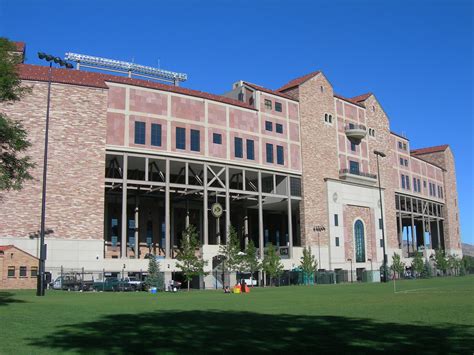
382, 155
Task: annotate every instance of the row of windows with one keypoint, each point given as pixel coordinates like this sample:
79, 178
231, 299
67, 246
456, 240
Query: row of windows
327, 118
416, 185
405, 182
336, 221
269, 127
238, 148
140, 133
23, 271
280, 154
402, 145
403, 162
181, 139
269, 105
371, 132
434, 190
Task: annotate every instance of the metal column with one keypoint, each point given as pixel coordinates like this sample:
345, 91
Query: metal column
260, 216
205, 209
123, 240
167, 210
290, 221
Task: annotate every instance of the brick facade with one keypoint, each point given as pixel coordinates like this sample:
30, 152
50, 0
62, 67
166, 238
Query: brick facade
18, 269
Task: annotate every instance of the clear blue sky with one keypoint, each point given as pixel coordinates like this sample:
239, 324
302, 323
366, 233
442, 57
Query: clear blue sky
416, 56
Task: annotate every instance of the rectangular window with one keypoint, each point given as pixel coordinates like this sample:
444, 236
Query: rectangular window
268, 104
400, 145
195, 140
34, 271
250, 150
403, 181
424, 184
351, 126
441, 192
268, 126
401, 161
278, 107
140, 132
414, 185
238, 147
336, 220
180, 138
354, 167
156, 134
279, 128
381, 243
337, 241
431, 190
407, 182
269, 153
280, 155
353, 147
23, 271
11, 271
380, 223
404, 146
217, 138
406, 162
419, 185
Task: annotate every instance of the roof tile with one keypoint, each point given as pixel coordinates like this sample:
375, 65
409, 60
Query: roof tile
298, 81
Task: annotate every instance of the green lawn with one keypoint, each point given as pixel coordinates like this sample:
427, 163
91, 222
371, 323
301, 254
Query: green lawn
424, 316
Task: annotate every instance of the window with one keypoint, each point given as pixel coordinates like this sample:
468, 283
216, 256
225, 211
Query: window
238, 147
268, 104
195, 140
241, 96
424, 184
404, 146
269, 153
330, 118
34, 271
23, 271
381, 243
278, 128
400, 145
351, 126
380, 223
354, 167
419, 185
278, 107
251, 101
180, 138
217, 138
280, 155
406, 162
441, 192
156, 134
415, 186
359, 241
403, 182
336, 220
407, 178
140, 132
268, 126
401, 161
353, 147
326, 117
337, 241
250, 150
11, 271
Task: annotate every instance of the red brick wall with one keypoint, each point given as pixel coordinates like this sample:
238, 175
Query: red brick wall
17, 258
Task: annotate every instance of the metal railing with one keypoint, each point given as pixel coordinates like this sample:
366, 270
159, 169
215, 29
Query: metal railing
357, 173
351, 126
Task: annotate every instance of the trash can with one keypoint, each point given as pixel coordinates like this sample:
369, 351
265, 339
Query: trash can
153, 290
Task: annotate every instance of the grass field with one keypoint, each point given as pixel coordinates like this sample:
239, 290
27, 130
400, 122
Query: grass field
424, 316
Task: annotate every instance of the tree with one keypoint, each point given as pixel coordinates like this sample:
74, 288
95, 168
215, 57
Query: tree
14, 165
271, 263
188, 262
427, 270
398, 266
309, 264
440, 261
155, 276
250, 259
454, 264
230, 252
417, 264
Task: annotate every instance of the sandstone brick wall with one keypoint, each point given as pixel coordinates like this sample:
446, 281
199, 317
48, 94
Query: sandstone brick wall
76, 163
17, 258
366, 215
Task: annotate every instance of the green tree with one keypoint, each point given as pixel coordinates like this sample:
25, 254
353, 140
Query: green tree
398, 266
468, 264
309, 264
454, 264
417, 264
271, 263
230, 252
155, 276
14, 164
440, 260
190, 263
427, 270
250, 259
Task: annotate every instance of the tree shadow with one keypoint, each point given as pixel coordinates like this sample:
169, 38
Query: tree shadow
218, 332
7, 297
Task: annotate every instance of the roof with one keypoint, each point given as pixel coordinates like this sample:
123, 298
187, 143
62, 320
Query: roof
99, 80
5, 247
268, 91
362, 97
8, 247
428, 150
348, 100
298, 81
20, 46
399, 135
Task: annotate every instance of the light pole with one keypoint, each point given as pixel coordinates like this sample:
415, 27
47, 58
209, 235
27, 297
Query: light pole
40, 277
319, 228
382, 155
351, 269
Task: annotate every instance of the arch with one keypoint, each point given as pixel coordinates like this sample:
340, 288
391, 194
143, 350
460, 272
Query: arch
359, 237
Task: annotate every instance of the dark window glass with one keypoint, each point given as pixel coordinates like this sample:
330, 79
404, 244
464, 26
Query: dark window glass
250, 150
353, 147
380, 223
403, 181
351, 126
269, 153
195, 140
278, 106
156, 134
241, 96
22, 271
34, 271
424, 184
400, 145
11, 271
280, 155
337, 241
180, 138
268, 104
401, 161
415, 186
407, 178
381, 243
279, 128
336, 220
359, 241
295, 186
217, 138
139, 132
238, 147
354, 167
419, 185
268, 126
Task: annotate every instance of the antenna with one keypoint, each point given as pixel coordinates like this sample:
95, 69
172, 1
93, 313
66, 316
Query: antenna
126, 68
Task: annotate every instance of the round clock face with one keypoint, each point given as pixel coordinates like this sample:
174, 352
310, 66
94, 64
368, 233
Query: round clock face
216, 209
334, 197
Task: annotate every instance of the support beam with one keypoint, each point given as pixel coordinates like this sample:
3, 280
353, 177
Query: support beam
167, 212
290, 221
227, 205
205, 209
137, 224
260, 216
123, 241
413, 241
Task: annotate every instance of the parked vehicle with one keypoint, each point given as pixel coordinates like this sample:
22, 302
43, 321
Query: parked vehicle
112, 284
73, 281
134, 282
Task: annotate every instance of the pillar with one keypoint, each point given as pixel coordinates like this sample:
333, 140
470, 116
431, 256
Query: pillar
205, 209
290, 221
260, 215
227, 205
123, 240
167, 211
137, 224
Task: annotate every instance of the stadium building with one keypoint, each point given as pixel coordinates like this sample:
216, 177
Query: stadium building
132, 162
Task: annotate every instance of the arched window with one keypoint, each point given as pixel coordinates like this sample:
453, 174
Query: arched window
359, 241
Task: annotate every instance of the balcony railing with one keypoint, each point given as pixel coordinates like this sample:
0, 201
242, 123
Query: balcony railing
355, 131
357, 173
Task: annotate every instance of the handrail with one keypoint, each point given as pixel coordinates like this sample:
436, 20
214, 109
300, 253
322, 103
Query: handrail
358, 173
350, 126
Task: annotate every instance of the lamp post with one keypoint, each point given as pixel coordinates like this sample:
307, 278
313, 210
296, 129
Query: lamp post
319, 228
351, 269
40, 277
382, 155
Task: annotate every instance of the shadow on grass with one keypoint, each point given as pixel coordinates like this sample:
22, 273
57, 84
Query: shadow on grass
213, 331
6, 298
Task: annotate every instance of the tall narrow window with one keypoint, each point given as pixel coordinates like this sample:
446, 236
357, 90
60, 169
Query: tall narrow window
34, 271
269, 153
11, 271
195, 140
139, 132
156, 134
278, 106
354, 167
403, 181
180, 138
336, 220
238, 147
353, 147
280, 155
415, 186
250, 150
407, 182
279, 128
359, 241
337, 241
23, 271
